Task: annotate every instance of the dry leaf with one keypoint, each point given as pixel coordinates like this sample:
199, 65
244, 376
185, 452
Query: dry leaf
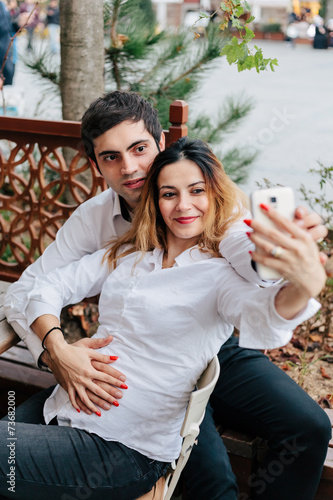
316, 337
324, 374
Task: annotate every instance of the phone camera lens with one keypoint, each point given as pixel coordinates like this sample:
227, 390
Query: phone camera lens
273, 199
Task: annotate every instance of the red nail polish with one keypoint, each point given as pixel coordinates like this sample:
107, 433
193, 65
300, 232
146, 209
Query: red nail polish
113, 358
123, 386
115, 403
98, 413
248, 234
264, 207
248, 222
77, 410
250, 252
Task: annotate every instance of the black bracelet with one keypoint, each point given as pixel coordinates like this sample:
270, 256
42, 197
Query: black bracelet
54, 328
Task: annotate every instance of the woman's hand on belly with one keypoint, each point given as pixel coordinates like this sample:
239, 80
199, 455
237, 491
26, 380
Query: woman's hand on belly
88, 376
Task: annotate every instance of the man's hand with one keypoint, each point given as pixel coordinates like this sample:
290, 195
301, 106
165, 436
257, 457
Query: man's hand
114, 392
314, 225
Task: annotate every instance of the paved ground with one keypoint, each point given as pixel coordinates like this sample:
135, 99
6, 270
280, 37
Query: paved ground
291, 125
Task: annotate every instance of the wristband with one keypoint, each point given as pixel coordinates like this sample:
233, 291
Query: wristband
54, 328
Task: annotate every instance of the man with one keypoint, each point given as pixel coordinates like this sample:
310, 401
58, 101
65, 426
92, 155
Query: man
121, 136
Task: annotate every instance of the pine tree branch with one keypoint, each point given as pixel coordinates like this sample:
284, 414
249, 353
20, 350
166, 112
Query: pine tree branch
165, 57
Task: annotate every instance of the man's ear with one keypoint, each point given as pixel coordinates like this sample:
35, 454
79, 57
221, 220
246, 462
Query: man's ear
94, 165
162, 142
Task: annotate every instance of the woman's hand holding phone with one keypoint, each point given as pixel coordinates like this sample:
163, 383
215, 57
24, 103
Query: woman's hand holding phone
289, 250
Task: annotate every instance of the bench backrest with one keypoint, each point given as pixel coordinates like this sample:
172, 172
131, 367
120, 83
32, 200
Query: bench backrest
41, 167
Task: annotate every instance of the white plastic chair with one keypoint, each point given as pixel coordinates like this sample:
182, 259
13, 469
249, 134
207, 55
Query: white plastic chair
194, 416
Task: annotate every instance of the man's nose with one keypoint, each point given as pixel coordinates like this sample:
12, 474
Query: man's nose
129, 165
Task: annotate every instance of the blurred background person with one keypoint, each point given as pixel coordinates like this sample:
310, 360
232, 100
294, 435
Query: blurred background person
25, 10
320, 40
53, 25
6, 31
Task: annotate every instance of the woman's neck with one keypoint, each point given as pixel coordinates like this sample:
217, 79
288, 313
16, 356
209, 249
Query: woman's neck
176, 246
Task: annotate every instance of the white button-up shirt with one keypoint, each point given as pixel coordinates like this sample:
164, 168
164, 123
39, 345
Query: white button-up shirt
167, 324
94, 223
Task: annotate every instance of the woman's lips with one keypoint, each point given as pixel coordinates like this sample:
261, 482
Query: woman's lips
135, 183
186, 220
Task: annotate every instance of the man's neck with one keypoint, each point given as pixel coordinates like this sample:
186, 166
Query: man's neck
126, 212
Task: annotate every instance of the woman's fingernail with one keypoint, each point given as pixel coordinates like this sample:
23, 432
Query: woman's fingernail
248, 222
123, 386
77, 410
98, 413
264, 207
250, 252
113, 358
248, 234
115, 403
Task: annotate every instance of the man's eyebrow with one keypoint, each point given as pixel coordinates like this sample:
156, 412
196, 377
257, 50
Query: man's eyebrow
190, 185
110, 152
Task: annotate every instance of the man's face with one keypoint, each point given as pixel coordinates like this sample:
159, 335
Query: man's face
124, 153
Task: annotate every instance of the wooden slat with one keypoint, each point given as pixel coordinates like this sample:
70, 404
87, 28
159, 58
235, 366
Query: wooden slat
328, 467
19, 354
8, 337
329, 413
240, 444
25, 375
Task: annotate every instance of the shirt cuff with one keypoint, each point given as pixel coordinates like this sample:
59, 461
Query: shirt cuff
35, 309
265, 328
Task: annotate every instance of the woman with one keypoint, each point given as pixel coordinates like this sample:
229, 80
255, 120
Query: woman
170, 301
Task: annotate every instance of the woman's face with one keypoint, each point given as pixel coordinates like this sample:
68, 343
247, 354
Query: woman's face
183, 200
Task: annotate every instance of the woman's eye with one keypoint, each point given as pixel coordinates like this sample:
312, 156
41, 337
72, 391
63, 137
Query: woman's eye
140, 149
198, 191
168, 195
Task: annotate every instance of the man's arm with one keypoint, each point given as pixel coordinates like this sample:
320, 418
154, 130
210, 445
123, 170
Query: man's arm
81, 234
236, 245
81, 369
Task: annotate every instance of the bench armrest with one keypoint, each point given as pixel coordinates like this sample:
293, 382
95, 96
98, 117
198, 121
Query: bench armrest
8, 337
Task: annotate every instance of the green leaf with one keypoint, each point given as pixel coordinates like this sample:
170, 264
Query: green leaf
247, 6
225, 7
250, 19
248, 35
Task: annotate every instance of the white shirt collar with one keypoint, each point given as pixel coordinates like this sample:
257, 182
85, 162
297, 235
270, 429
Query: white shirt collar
116, 206
189, 256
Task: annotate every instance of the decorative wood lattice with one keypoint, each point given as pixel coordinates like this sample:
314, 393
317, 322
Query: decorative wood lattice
41, 183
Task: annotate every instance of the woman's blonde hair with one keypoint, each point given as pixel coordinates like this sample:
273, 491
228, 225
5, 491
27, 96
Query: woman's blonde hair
148, 229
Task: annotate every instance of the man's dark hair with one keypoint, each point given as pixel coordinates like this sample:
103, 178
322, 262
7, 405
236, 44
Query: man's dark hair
112, 109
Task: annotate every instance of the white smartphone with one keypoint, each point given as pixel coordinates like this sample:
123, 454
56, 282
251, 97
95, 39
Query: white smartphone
283, 200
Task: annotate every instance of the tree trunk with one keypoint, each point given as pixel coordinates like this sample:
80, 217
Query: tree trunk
82, 55
82, 65
329, 10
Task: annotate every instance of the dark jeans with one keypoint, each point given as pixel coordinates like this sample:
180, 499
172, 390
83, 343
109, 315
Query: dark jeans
255, 396
62, 463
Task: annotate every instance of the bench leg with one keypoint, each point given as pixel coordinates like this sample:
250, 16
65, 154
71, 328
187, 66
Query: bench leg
157, 492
